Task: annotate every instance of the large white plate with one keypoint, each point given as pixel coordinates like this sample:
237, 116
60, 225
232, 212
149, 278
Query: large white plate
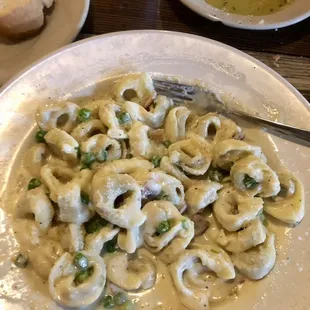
291, 14
62, 26
75, 71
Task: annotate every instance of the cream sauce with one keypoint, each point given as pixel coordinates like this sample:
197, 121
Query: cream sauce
24, 287
250, 7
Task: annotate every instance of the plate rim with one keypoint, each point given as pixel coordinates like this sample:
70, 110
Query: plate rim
192, 5
10, 83
70, 37
264, 70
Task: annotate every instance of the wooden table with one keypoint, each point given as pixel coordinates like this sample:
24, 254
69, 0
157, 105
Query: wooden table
286, 50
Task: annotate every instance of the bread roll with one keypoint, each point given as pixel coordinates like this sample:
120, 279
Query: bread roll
21, 18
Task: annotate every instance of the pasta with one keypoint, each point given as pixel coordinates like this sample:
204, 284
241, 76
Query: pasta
62, 116
192, 155
235, 211
62, 281
220, 263
265, 181
175, 124
288, 206
176, 239
132, 185
133, 274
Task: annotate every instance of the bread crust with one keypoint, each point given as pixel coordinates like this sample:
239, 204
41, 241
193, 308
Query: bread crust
24, 20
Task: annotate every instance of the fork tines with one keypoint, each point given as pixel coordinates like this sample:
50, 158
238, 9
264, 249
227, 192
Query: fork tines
174, 90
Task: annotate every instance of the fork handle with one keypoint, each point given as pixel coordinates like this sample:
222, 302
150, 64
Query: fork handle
278, 127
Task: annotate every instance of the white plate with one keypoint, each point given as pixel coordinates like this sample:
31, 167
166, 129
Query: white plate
62, 26
76, 70
291, 14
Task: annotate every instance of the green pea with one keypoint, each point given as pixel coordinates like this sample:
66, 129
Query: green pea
128, 305
40, 136
95, 224
123, 117
156, 161
167, 143
162, 196
111, 245
81, 261
120, 298
102, 155
263, 219
81, 277
216, 176
21, 260
87, 159
163, 227
85, 198
84, 115
34, 183
249, 182
108, 302
185, 225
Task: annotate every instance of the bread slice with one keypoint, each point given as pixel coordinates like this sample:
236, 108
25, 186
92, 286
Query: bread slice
21, 18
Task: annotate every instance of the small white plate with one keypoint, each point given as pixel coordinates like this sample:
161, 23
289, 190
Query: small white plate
62, 26
78, 70
291, 14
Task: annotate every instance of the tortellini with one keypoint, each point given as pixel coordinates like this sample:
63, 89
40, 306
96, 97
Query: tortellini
109, 113
239, 241
86, 130
36, 203
176, 171
234, 210
107, 188
227, 152
105, 148
133, 183
200, 195
176, 239
141, 144
35, 158
253, 175
138, 88
197, 297
61, 115
66, 291
131, 274
65, 186
289, 205
257, 262
131, 239
153, 118
193, 154
158, 184
175, 124
94, 242
215, 128
62, 144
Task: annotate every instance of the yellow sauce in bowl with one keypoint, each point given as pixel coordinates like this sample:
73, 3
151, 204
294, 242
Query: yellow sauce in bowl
250, 7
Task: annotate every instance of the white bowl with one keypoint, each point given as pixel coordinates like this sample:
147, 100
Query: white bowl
290, 14
76, 70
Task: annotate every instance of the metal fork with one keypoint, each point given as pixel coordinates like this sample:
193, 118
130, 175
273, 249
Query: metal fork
181, 93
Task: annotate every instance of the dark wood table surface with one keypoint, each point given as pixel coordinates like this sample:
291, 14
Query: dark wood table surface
286, 50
